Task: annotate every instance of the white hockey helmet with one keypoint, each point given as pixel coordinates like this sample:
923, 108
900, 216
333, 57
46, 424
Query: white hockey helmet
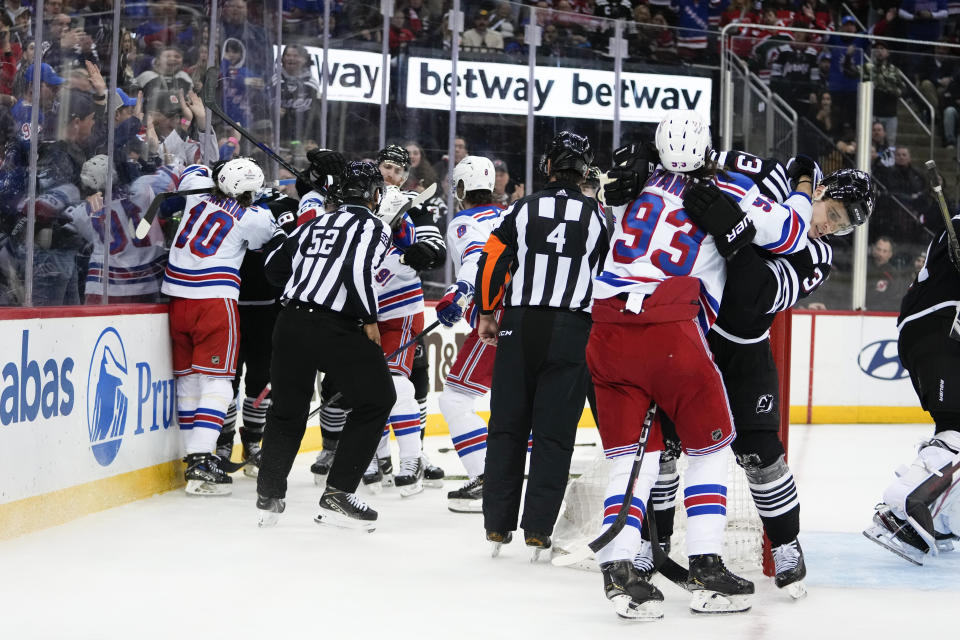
683, 140
93, 174
473, 173
239, 176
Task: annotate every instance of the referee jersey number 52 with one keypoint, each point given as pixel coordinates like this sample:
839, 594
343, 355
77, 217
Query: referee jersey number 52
329, 262
545, 253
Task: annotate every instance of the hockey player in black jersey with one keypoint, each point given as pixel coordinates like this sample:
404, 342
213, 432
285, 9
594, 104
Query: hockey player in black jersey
760, 285
920, 512
258, 309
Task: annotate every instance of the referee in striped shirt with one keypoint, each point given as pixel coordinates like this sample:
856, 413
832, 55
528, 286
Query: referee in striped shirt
328, 323
540, 263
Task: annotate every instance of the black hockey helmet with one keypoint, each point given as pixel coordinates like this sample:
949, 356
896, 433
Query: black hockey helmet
567, 151
856, 190
359, 181
396, 154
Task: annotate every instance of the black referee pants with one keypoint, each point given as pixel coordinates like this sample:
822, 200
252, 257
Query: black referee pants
539, 384
305, 342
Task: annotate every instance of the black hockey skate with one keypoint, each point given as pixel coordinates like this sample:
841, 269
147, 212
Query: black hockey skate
791, 570
498, 539
386, 468
410, 478
205, 475
269, 510
539, 542
468, 498
321, 467
345, 510
373, 477
633, 597
251, 456
715, 589
896, 535
432, 474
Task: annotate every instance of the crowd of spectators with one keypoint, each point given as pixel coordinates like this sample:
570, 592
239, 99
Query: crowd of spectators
159, 122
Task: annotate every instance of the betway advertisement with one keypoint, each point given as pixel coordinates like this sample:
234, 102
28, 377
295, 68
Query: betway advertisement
493, 87
83, 398
352, 76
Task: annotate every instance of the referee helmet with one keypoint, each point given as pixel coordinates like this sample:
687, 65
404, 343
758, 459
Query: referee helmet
567, 152
360, 181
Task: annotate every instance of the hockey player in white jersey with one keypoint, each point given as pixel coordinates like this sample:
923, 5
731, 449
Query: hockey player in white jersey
136, 266
663, 272
399, 318
203, 282
470, 375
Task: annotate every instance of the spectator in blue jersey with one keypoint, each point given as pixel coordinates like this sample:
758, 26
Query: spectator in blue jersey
693, 22
49, 87
163, 28
847, 57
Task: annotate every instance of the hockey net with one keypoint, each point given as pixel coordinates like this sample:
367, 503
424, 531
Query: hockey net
744, 548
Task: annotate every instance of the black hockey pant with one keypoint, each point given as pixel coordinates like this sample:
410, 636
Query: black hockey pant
539, 384
305, 341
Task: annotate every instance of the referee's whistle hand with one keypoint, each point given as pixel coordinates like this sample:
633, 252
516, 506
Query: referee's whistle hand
487, 329
372, 331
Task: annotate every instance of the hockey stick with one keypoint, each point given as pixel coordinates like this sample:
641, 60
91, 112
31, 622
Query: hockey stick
208, 95
143, 227
937, 184
581, 554
401, 349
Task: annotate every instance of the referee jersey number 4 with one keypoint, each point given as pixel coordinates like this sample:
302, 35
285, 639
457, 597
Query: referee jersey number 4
552, 244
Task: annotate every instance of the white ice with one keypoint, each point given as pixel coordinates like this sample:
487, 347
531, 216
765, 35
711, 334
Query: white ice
176, 566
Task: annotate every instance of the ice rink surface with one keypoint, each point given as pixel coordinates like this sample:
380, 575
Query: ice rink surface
174, 566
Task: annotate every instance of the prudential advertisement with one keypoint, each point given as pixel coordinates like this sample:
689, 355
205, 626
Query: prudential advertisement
83, 398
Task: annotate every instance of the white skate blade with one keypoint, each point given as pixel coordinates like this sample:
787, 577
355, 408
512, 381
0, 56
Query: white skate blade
433, 484
888, 541
705, 601
795, 590
495, 549
411, 489
251, 471
334, 519
628, 609
266, 519
387, 481
459, 505
537, 552
320, 479
575, 556
945, 546
201, 488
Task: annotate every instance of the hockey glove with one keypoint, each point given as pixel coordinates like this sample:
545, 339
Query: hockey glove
425, 254
802, 165
719, 216
633, 164
454, 300
323, 163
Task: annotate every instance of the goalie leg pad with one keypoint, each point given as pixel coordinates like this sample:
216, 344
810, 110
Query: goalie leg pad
931, 476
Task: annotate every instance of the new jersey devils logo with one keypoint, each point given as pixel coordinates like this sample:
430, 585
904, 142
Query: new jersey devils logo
765, 403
